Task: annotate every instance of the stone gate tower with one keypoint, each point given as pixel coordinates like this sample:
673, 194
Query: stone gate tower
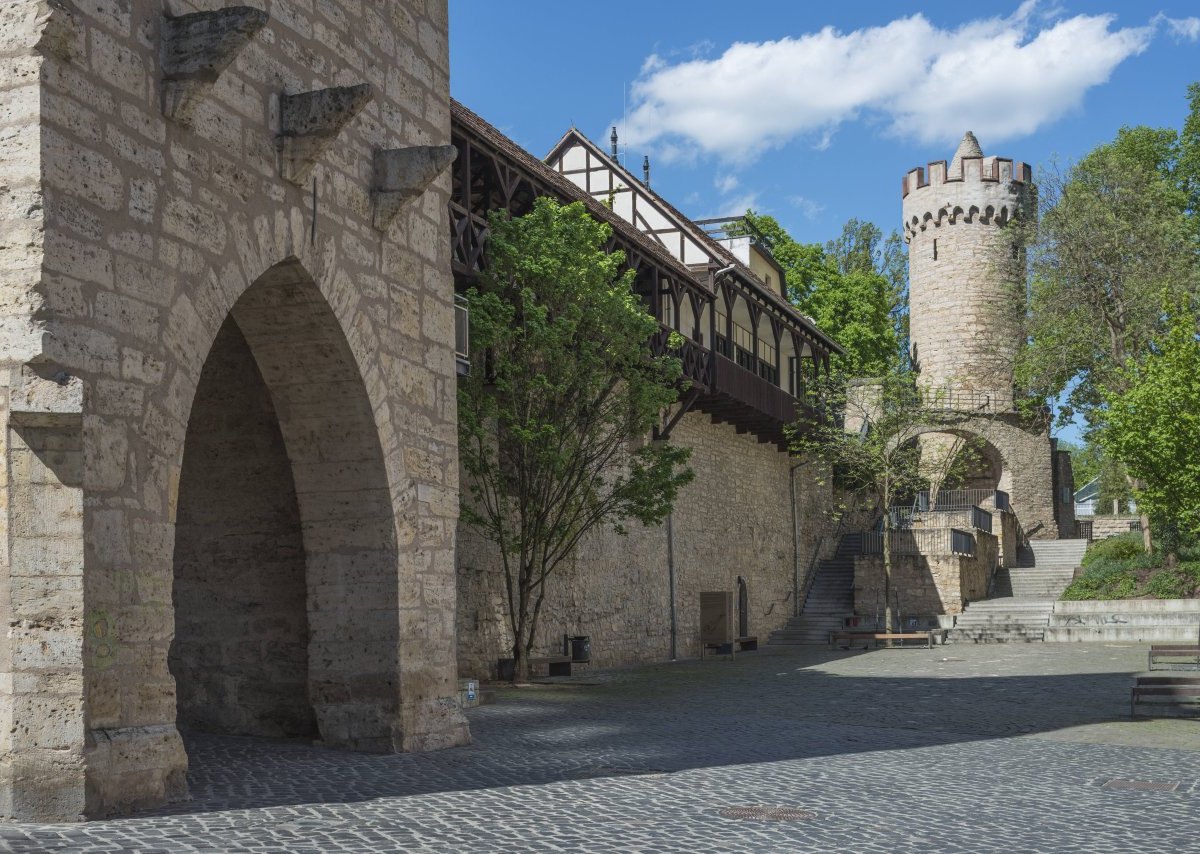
966, 307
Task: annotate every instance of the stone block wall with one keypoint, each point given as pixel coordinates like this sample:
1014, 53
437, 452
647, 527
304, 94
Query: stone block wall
1026, 455
129, 240
1064, 492
927, 585
1104, 527
965, 306
734, 519
240, 653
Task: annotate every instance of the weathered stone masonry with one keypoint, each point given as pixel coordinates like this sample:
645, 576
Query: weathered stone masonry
133, 245
966, 313
734, 520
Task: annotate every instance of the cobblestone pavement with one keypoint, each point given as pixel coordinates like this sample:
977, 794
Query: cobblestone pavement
960, 748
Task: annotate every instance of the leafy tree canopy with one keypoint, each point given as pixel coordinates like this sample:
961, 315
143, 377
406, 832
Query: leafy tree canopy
1151, 424
1117, 231
854, 287
553, 423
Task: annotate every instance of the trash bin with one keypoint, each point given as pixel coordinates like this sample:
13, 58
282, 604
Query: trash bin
580, 648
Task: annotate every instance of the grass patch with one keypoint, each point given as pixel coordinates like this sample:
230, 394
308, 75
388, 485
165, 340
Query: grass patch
1117, 568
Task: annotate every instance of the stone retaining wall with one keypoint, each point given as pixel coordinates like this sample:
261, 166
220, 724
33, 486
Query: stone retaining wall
926, 585
1126, 621
733, 520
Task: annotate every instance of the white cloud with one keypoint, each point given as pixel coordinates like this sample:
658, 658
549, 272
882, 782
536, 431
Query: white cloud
1001, 77
1183, 29
808, 208
736, 206
726, 183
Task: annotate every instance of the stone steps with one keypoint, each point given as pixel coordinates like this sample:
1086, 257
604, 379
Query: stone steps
830, 599
1002, 620
1022, 598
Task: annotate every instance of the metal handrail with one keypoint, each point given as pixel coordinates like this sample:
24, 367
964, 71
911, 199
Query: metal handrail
811, 575
962, 499
922, 541
462, 335
905, 518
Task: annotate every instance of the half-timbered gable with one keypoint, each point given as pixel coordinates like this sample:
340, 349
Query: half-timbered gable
765, 350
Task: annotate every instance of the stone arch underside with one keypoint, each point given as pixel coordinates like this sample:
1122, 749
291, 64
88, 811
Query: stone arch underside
1015, 457
286, 561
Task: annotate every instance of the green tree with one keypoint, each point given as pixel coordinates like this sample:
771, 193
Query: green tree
1112, 234
1116, 231
855, 288
1115, 492
854, 309
553, 424
1151, 424
1085, 461
1116, 235
1089, 462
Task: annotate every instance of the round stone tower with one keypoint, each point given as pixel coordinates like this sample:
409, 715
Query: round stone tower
964, 305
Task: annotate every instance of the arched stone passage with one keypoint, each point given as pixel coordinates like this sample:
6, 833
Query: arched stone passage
980, 463
286, 588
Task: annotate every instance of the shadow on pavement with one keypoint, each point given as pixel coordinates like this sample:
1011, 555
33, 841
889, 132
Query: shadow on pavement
763, 707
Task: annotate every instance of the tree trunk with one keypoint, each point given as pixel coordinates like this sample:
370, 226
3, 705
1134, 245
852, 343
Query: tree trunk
1147, 541
887, 571
520, 663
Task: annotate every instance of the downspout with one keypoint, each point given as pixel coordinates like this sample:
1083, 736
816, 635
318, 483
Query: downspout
795, 542
671, 581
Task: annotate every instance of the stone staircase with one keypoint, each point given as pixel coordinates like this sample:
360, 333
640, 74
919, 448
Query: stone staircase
830, 598
1023, 597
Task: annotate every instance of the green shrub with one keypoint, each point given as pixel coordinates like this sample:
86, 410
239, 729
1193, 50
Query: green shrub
1169, 584
1105, 580
1121, 547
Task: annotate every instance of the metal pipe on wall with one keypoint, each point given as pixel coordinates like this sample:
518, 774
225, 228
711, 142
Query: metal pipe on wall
671, 582
795, 541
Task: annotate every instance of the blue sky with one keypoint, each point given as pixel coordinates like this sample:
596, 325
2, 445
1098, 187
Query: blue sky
813, 112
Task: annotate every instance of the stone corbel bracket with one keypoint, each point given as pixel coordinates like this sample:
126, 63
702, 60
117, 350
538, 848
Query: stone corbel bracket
309, 122
41, 395
402, 174
197, 48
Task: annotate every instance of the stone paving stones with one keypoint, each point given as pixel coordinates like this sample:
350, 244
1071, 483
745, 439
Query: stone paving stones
995, 749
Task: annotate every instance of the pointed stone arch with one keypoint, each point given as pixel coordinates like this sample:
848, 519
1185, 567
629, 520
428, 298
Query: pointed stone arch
282, 367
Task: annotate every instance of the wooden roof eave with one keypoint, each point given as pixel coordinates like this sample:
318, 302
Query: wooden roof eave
542, 176
573, 136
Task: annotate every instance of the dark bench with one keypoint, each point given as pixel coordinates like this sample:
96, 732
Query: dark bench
879, 637
746, 644
1165, 696
556, 665
1170, 656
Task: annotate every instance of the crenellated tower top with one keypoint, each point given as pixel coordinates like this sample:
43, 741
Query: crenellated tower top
965, 311
973, 188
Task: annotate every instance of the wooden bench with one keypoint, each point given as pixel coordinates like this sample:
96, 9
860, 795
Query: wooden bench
1165, 696
880, 637
556, 665
746, 644
1172, 656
